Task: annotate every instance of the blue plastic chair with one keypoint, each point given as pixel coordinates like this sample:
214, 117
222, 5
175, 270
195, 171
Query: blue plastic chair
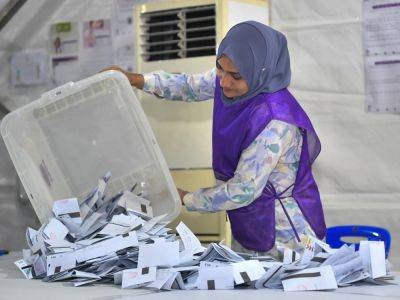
335, 234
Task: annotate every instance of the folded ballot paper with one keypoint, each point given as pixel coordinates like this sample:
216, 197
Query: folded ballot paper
116, 239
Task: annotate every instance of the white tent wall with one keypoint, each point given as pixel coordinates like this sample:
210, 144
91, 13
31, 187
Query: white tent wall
358, 170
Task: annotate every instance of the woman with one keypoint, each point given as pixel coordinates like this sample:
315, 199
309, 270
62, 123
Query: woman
263, 141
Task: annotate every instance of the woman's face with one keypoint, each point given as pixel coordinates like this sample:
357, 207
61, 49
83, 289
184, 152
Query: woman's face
232, 83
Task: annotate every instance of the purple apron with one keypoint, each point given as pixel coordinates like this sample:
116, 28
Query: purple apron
235, 127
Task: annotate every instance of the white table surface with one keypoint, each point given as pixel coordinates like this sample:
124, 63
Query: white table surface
13, 286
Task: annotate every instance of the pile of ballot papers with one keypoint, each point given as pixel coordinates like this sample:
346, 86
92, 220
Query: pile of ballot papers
117, 239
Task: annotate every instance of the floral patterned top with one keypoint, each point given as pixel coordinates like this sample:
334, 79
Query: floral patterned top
274, 155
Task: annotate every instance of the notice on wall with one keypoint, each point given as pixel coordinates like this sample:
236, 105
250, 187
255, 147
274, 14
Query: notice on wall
381, 21
29, 68
97, 49
64, 50
123, 34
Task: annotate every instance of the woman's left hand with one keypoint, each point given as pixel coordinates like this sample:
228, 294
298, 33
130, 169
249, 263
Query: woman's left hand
182, 194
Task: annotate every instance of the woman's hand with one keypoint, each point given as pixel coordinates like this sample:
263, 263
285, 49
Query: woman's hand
114, 68
135, 79
182, 194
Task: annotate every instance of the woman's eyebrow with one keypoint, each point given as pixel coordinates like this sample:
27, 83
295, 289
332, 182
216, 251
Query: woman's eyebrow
220, 67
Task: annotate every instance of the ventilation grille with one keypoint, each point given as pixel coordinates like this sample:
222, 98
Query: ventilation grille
178, 33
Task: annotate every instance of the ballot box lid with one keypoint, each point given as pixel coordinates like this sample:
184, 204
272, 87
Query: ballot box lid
62, 143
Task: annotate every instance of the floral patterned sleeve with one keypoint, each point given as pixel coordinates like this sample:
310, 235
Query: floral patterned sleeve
252, 173
184, 87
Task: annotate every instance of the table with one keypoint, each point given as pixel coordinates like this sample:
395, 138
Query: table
14, 286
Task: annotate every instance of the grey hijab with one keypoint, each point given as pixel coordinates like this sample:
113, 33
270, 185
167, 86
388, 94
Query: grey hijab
261, 55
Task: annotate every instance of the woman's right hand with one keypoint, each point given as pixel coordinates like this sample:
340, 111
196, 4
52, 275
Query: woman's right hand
135, 79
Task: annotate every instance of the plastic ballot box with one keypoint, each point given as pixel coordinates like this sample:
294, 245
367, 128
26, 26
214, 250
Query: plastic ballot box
62, 143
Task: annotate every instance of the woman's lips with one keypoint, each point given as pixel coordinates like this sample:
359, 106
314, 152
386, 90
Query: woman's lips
227, 91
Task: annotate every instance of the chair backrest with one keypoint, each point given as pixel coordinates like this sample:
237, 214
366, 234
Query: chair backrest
335, 234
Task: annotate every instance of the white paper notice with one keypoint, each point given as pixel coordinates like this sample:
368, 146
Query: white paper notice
97, 52
64, 38
28, 68
382, 55
123, 34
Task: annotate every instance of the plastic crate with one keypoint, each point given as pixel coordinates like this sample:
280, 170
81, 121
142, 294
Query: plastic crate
62, 143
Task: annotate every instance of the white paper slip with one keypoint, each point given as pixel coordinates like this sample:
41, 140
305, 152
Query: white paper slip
351, 266
107, 247
102, 187
215, 277
77, 274
192, 269
31, 237
354, 277
290, 256
118, 278
131, 221
175, 282
114, 229
373, 257
247, 271
212, 264
151, 223
313, 279
309, 250
133, 278
320, 246
269, 264
59, 244
165, 232
378, 261
156, 229
81, 274
68, 207
89, 202
72, 224
25, 268
271, 279
27, 255
39, 265
35, 241
57, 263
55, 230
343, 251
227, 252
88, 223
163, 275
142, 236
161, 253
190, 241
88, 242
137, 204
84, 281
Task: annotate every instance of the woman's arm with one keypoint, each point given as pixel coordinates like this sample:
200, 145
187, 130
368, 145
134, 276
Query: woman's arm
184, 87
254, 168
